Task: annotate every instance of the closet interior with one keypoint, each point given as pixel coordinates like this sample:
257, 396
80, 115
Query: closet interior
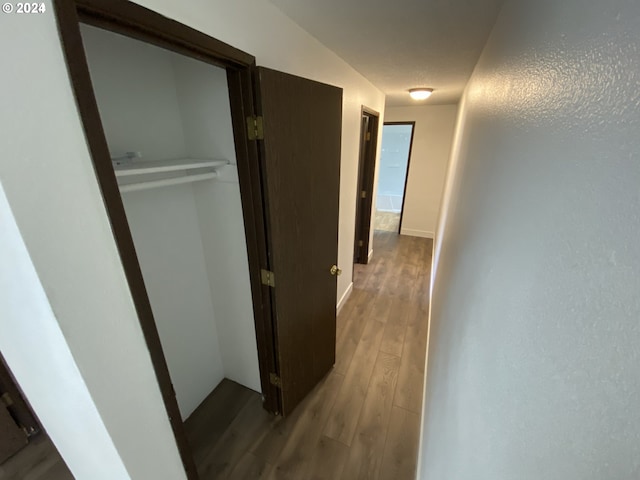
167, 122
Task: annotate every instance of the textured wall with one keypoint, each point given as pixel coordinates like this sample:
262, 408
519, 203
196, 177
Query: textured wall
534, 350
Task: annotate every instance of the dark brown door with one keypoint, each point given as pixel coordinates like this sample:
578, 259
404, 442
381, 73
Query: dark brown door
16, 420
366, 170
301, 168
12, 439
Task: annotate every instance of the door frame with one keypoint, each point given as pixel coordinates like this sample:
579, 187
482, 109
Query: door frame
366, 176
406, 175
135, 21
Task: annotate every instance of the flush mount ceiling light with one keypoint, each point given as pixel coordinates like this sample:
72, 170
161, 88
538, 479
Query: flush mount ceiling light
420, 93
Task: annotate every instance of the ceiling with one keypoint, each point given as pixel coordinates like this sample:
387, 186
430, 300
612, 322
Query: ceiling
402, 44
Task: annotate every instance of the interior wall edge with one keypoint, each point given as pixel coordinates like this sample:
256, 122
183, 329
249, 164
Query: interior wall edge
344, 298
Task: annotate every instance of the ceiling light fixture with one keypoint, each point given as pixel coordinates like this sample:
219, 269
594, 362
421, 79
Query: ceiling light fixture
420, 93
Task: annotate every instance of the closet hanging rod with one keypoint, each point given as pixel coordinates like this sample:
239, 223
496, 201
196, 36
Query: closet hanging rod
132, 187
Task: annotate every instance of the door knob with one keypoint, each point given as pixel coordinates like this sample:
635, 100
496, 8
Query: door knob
335, 270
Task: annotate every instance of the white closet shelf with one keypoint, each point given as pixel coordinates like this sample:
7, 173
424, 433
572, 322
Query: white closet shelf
134, 187
161, 166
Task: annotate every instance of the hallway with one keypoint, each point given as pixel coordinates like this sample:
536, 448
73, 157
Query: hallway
362, 421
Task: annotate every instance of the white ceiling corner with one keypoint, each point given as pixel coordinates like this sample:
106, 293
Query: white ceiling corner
402, 44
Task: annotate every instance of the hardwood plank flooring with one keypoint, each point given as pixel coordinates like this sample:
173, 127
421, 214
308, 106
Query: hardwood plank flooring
366, 452
205, 427
328, 460
362, 420
400, 451
39, 460
387, 221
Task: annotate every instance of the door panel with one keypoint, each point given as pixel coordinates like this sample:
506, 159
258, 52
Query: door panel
366, 171
12, 439
358, 256
301, 169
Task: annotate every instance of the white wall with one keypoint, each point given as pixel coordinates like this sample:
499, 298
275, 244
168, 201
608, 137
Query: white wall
204, 100
137, 99
51, 187
166, 232
533, 367
432, 141
58, 394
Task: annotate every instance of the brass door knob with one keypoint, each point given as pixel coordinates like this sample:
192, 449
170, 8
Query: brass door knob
335, 270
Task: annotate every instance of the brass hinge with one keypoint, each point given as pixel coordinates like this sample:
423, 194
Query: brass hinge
268, 278
6, 399
275, 380
255, 128
363, 194
361, 243
368, 136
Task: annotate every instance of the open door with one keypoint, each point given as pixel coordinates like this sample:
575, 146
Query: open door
12, 439
300, 156
366, 172
17, 422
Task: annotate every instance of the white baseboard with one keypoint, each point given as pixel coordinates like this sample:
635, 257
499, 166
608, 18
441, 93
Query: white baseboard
344, 298
417, 233
370, 254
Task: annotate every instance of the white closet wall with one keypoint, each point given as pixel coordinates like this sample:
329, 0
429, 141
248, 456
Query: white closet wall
203, 95
150, 103
135, 88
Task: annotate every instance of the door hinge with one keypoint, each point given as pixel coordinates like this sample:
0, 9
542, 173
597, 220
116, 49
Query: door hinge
275, 380
361, 243
268, 278
255, 127
6, 399
363, 194
368, 136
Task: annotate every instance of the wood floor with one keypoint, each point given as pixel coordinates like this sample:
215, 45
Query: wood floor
37, 461
386, 221
362, 420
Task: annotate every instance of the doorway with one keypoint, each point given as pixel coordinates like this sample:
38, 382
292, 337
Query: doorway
173, 156
366, 170
395, 156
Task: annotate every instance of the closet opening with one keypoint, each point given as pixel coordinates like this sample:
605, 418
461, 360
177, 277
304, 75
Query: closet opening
167, 122
165, 109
